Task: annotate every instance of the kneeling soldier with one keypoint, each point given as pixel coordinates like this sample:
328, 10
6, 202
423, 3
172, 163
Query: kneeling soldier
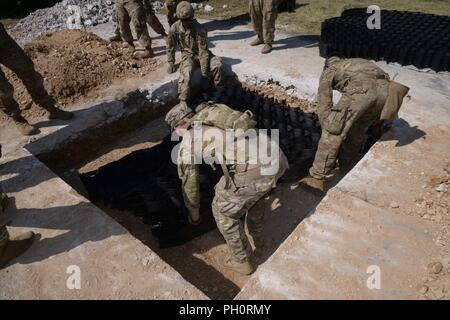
193, 41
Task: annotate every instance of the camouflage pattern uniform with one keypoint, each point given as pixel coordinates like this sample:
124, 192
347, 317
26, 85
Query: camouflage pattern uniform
133, 10
194, 52
364, 87
264, 14
152, 20
14, 58
171, 11
233, 199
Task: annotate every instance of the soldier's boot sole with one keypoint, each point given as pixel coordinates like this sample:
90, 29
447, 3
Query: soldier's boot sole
317, 185
58, 114
143, 54
128, 44
257, 42
115, 38
24, 127
226, 261
15, 248
266, 49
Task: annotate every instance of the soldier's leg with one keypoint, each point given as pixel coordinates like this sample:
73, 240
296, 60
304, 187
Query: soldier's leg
216, 67
187, 68
270, 12
256, 14
136, 12
356, 136
171, 11
228, 211
123, 20
154, 22
116, 36
11, 108
326, 155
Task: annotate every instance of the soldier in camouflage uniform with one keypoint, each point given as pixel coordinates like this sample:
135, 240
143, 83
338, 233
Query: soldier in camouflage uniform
368, 96
133, 11
171, 11
264, 14
243, 184
193, 41
14, 58
152, 21
10, 249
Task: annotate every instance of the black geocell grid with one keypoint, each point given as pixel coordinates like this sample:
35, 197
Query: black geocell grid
146, 182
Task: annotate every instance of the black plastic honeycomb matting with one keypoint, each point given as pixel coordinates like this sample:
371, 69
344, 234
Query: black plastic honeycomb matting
409, 38
146, 182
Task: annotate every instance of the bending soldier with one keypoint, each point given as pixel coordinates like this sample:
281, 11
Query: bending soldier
368, 95
246, 177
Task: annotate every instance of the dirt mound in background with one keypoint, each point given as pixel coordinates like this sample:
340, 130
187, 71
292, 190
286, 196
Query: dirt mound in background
76, 65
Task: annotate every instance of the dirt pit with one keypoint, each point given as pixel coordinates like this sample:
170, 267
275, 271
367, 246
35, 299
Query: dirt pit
76, 65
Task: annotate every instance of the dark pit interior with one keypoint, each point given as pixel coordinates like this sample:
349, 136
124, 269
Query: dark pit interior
141, 189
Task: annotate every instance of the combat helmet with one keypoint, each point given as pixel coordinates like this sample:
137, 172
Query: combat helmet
177, 114
185, 10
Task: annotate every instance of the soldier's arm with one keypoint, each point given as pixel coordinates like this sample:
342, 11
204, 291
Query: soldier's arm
203, 52
147, 5
325, 93
189, 175
171, 45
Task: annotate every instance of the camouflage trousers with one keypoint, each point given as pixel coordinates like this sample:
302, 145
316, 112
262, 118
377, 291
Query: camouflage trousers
133, 11
362, 105
152, 21
14, 58
264, 14
188, 66
171, 11
4, 235
232, 209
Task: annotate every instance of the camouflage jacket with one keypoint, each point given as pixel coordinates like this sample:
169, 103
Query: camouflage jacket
193, 43
243, 161
346, 76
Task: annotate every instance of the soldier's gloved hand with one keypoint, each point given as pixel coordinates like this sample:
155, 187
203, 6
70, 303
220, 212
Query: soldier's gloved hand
171, 68
194, 217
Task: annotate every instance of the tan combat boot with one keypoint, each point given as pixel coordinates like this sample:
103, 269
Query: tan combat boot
56, 113
225, 260
15, 248
143, 54
24, 127
313, 183
256, 42
266, 49
115, 38
128, 44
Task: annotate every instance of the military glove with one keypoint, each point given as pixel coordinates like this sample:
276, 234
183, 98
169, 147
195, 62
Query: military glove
171, 68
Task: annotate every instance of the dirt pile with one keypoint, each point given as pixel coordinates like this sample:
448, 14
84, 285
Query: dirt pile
76, 65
